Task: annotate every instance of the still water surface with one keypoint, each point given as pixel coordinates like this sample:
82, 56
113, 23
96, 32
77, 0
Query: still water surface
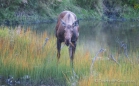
95, 34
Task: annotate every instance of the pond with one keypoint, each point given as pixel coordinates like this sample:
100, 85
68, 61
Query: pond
100, 34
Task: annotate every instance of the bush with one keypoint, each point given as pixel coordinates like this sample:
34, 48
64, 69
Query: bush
8, 7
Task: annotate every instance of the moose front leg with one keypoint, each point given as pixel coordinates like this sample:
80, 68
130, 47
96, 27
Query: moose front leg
72, 49
58, 48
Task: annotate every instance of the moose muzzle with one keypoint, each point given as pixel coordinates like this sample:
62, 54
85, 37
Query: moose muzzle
67, 42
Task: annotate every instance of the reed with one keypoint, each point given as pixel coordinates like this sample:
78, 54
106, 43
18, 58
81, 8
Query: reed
27, 54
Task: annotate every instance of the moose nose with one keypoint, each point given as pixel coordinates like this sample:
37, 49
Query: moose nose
67, 42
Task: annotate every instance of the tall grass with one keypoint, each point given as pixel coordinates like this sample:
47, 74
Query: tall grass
22, 53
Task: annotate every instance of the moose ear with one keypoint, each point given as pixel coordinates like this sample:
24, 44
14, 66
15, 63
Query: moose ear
76, 23
63, 23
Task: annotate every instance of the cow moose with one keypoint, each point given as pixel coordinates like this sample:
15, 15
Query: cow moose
67, 31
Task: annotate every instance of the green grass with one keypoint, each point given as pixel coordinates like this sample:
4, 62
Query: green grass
22, 54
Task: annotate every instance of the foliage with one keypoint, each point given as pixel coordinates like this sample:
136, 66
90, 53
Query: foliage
8, 7
86, 3
39, 10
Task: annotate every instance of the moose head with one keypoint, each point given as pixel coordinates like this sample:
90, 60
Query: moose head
69, 29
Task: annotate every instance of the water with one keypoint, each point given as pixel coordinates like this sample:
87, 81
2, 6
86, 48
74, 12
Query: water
95, 34
110, 33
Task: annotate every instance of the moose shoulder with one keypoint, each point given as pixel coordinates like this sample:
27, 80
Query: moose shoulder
67, 31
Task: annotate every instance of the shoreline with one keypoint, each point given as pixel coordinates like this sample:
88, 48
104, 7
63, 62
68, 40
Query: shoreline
52, 20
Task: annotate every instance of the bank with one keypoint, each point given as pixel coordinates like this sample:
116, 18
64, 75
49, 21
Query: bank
46, 11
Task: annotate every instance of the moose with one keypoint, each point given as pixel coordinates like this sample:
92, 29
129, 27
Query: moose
67, 31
